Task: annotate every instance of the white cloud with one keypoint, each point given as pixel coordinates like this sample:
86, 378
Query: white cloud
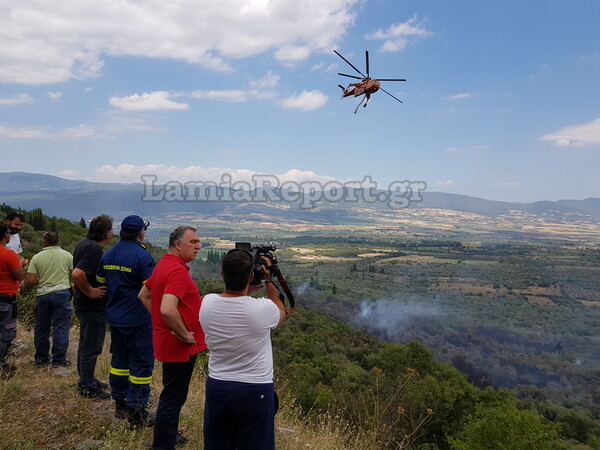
52, 42
148, 101
460, 96
397, 36
576, 135
300, 176
69, 173
270, 80
306, 101
232, 95
18, 99
70, 133
289, 54
113, 124
447, 183
131, 173
117, 123
54, 95
259, 89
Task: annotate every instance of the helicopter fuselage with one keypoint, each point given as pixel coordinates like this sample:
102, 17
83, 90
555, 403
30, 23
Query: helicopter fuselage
367, 86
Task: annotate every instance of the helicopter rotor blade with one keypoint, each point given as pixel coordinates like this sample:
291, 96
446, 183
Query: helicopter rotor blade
367, 58
350, 76
395, 98
349, 63
391, 79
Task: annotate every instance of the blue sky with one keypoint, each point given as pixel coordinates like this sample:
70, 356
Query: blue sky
502, 99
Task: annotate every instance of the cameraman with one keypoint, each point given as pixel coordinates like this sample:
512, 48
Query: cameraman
240, 403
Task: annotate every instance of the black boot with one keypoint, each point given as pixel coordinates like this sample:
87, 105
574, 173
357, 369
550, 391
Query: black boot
121, 410
140, 417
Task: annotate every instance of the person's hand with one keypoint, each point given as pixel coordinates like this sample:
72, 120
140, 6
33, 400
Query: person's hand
97, 292
24, 262
187, 339
267, 265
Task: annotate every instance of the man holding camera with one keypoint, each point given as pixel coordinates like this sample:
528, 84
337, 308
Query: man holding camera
240, 403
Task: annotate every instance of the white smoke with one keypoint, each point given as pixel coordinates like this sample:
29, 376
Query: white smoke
299, 290
392, 318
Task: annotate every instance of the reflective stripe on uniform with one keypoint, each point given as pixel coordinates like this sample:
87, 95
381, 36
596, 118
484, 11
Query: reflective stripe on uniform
119, 372
140, 380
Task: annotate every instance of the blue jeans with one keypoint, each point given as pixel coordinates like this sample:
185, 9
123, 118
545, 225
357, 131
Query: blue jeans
8, 324
239, 416
176, 383
92, 328
52, 312
131, 364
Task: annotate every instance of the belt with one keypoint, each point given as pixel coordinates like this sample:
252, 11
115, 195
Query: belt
8, 298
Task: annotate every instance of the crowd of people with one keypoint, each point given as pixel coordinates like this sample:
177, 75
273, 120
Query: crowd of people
154, 312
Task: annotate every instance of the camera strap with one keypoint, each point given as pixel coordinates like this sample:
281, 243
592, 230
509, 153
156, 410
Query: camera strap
286, 292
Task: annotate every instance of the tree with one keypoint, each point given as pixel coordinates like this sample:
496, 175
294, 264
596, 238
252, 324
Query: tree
36, 219
505, 427
82, 223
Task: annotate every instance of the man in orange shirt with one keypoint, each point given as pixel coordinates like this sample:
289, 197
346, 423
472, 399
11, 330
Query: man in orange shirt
11, 275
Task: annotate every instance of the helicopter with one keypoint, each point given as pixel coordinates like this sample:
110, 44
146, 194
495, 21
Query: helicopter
366, 86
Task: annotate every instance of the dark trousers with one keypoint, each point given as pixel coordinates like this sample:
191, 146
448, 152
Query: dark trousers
176, 383
239, 416
92, 328
8, 324
52, 312
131, 364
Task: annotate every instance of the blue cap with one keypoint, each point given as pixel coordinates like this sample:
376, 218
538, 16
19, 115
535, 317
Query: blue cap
134, 224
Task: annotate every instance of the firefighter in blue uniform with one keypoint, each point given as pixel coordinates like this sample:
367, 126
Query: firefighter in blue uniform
124, 268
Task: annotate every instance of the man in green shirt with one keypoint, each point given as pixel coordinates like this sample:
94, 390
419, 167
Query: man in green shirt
50, 270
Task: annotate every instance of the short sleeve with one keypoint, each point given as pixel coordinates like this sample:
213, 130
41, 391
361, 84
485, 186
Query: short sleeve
32, 267
13, 260
100, 273
177, 283
89, 260
272, 313
146, 267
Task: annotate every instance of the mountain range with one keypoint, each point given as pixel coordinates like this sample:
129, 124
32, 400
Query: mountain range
74, 199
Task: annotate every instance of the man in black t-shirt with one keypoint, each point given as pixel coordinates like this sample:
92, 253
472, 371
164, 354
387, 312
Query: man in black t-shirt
90, 305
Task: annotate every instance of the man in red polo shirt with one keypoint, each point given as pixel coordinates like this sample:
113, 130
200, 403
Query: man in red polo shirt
173, 300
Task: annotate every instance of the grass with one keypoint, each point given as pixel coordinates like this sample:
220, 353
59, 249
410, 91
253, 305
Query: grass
41, 408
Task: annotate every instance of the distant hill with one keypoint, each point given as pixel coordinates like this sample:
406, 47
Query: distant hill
74, 199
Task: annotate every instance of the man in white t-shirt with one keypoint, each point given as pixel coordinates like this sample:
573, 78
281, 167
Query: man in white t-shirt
239, 411
14, 220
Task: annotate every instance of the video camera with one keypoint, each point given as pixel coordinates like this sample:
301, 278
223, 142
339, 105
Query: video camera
267, 250
257, 252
